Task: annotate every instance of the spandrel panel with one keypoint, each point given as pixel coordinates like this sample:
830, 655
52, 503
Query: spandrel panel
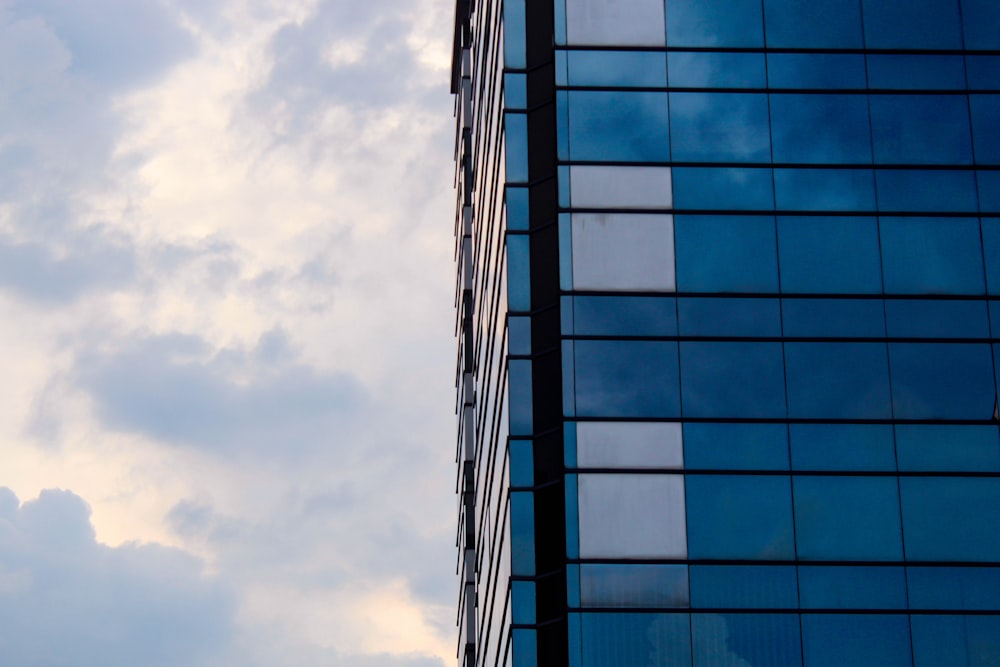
852, 587
723, 379
981, 22
830, 71
814, 24
696, 69
725, 640
942, 380
983, 71
719, 127
921, 129
842, 447
744, 586
715, 23
916, 190
629, 445
593, 186
636, 23
831, 318
920, 318
837, 381
985, 111
632, 516
948, 448
956, 641
617, 68
625, 315
834, 190
618, 251
611, 125
622, 586
912, 24
829, 255
726, 253
724, 188
931, 256
915, 72
820, 129
651, 640
863, 640
729, 317
740, 517
938, 524
626, 379
734, 446
847, 518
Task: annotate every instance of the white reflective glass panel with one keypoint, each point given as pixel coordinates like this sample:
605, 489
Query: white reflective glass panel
629, 445
620, 187
615, 22
620, 251
632, 516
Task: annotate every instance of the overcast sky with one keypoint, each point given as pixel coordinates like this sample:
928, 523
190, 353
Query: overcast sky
226, 419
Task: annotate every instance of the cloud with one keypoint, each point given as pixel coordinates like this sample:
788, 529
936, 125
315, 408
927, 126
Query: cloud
66, 599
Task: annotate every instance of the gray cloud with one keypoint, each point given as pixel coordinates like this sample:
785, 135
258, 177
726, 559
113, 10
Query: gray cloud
67, 600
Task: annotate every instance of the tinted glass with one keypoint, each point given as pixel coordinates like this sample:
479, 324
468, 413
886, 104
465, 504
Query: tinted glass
921, 129
991, 253
870, 640
716, 70
830, 71
828, 129
824, 189
986, 127
842, 447
906, 71
610, 640
908, 190
731, 446
813, 23
626, 379
723, 640
616, 68
981, 21
722, 188
739, 517
960, 588
942, 381
956, 641
837, 380
726, 253
919, 318
715, 23
618, 585
719, 127
625, 315
810, 247
618, 126
853, 587
912, 24
938, 523
744, 586
729, 317
948, 447
722, 379
832, 318
931, 256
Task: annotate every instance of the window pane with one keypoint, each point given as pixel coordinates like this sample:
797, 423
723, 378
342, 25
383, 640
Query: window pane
629, 445
837, 447
640, 22
829, 255
847, 518
942, 381
722, 188
764, 640
715, 23
632, 516
983, 71
720, 379
729, 317
813, 24
921, 129
740, 517
837, 381
626, 379
625, 315
915, 72
608, 126
912, 24
830, 71
991, 253
651, 640
726, 253
907, 190
981, 21
959, 588
831, 318
719, 127
644, 585
986, 127
716, 70
827, 129
931, 256
956, 641
594, 186
623, 251
869, 640
938, 521
919, 318
616, 68
744, 586
852, 587
731, 446
843, 190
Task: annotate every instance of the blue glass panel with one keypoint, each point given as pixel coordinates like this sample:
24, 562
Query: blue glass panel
852, 587
513, 34
931, 256
715, 23
716, 70
916, 72
732, 446
725, 253
525, 647
518, 272
522, 533
828, 71
956, 641
605, 125
985, 111
572, 517
824, 189
869, 640
562, 143
989, 190
921, 129
829, 255
522, 601
981, 21
519, 410
574, 633
651, 640
739, 517
562, 61
836, 447
813, 24
729, 317
721, 379
847, 518
563, 172
617, 68
926, 190
938, 523
719, 127
569, 379
942, 380
516, 137
828, 129
625, 315
722, 188
569, 444
761, 640
920, 318
517, 208
947, 447
831, 318
573, 585
519, 335
837, 381
912, 24
983, 71
959, 588
515, 91
645, 585
744, 586
626, 379
991, 253
565, 243
521, 463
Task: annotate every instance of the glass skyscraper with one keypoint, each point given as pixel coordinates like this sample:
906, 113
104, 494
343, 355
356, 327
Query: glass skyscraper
728, 305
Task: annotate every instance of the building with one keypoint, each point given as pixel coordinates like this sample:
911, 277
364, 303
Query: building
727, 373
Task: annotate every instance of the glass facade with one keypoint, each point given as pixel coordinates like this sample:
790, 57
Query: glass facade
728, 385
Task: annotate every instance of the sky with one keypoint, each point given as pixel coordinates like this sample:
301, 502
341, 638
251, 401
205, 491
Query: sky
226, 330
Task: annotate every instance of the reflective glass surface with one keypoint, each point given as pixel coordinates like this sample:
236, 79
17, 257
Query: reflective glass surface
606, 125
626, 379
813, 23
740, 517
715, 23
